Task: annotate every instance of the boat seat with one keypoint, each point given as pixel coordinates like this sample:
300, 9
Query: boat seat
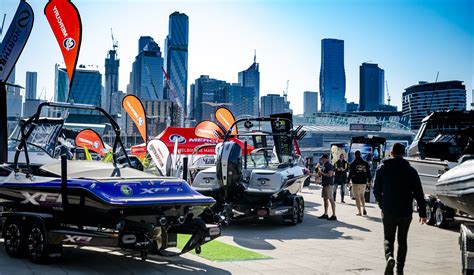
96, 170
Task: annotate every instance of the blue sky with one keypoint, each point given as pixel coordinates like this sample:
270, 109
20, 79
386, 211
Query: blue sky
410, 40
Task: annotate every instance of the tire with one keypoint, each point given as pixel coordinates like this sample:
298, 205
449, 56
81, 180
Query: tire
300, 209
440, 216
430, 217
14, 237
37, 242
293, 218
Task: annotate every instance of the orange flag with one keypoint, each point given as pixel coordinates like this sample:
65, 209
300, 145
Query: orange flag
91, 140
65, 21
134, 108
208, 129
225, 117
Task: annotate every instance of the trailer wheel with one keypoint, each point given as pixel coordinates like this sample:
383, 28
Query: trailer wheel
440, 216
293, 218
37, 242
300, 209
429, 213
463, 239
14, 237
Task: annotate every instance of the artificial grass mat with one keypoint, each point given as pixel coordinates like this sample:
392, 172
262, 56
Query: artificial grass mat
219, 251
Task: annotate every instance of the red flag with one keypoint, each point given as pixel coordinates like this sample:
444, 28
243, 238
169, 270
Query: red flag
64, 19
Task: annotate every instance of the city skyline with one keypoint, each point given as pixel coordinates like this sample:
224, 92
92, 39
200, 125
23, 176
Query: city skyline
433, 36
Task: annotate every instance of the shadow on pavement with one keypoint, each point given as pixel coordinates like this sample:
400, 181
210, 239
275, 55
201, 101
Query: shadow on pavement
89, 260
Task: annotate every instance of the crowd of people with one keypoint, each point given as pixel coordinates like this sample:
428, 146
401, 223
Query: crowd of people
396, 185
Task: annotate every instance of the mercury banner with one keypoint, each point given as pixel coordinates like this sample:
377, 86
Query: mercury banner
15, 39
65, 21
134, 108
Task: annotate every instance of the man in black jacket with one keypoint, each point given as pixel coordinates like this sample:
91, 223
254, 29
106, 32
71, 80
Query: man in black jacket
396, 185
359, 174
341, 166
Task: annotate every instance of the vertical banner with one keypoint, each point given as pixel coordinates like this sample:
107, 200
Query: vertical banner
15, 39
134, 108
209, 129
160, 155
225, 117
91, 140
65, 21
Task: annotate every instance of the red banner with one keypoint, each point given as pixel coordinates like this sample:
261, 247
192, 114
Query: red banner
90, 139
64, 19
209, 129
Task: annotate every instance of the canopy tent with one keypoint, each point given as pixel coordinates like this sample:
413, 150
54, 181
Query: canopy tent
187, 141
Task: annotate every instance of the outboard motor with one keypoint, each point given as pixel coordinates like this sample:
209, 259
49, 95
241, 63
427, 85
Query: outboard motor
229, 168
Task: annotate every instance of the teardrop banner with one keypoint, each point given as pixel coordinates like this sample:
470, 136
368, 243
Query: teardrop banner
65, 21
134, 108
225, 117
160, 154
91, 140
209, 129
15, 39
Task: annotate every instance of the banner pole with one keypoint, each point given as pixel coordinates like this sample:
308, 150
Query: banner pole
3, 123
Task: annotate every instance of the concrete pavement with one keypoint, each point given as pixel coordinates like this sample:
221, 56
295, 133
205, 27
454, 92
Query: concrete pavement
351, 245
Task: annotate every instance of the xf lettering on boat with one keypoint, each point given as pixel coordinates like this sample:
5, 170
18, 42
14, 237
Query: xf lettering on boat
41, 198
154, 190
77, 239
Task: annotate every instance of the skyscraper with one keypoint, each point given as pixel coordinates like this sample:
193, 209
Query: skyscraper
420, 100
176, 58
251, 78
310, 100
146, 79
241, 99
371, 87
112, 64
143, 41
208, 94
273, 104
31, 79
332, 77
86, 89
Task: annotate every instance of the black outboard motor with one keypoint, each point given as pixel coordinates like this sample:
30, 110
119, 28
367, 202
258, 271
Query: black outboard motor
229, 169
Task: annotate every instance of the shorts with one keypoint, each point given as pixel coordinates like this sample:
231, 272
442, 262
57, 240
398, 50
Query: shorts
358, 189
327, 192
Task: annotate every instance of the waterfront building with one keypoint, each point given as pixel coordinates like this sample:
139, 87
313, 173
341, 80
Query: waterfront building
332, 77
251, 78
420, 100
86, 89
310, 100
371, 87
176, 58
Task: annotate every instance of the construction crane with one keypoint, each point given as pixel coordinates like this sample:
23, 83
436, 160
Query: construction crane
114, 42
388, 94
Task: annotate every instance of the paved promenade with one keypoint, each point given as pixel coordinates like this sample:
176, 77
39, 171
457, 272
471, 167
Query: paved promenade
351, 245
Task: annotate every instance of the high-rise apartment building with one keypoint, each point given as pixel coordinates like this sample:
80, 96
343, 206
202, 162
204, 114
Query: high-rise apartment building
241, 99
371, 87
420, 100
31, 81
208, 94
251, 78
332, 77
176, 58
310, 100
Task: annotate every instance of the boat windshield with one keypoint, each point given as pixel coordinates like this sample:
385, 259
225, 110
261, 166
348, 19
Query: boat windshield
43, 137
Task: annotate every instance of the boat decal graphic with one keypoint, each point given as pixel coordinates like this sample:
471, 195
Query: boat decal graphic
39, 197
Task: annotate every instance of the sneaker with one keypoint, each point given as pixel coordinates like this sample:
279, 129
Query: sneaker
365, 212
389, 266
323, 217
332, 218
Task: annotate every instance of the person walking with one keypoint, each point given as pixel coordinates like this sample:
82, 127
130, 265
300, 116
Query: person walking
327, 181
359, 174
341, 167
396, 185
